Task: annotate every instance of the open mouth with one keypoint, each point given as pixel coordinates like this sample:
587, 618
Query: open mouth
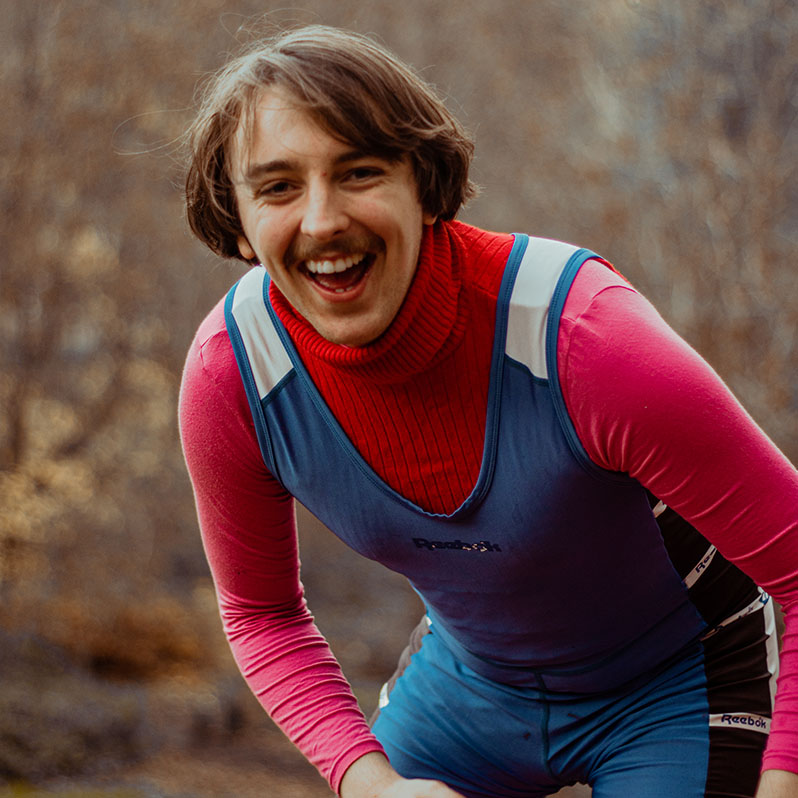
341, 274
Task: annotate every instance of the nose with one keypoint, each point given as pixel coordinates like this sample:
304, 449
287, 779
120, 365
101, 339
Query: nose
324, 216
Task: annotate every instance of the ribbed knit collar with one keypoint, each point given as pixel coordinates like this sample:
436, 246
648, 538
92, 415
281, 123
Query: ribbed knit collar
428, 326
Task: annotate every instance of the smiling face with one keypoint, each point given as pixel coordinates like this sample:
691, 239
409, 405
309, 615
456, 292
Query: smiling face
338, 230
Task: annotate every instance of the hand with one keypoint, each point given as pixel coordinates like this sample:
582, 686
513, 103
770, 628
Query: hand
418, 788
371, 776
778, 784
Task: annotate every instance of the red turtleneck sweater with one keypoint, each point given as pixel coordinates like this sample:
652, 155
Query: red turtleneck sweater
414, 405
402, 400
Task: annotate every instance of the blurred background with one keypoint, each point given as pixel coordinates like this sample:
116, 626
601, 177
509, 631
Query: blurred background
661, 135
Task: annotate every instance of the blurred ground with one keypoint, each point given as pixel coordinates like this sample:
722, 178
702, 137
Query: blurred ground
220, 772
228, 771
184, 736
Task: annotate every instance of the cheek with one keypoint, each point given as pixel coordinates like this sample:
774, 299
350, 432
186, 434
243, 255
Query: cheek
271, 239
374, 216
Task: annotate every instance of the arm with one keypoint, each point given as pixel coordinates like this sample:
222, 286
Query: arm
248, 531
778, 784
643, 402
371, 776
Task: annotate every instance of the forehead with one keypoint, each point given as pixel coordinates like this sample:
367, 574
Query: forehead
276, 126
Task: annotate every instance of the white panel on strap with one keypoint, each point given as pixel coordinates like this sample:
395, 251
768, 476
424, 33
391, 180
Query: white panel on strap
538, 273
267, 356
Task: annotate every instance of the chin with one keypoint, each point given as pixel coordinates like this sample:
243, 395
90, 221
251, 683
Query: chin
350, 340
349, 337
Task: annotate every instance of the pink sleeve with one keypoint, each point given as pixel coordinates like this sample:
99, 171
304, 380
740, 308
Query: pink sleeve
248, 531
643, 402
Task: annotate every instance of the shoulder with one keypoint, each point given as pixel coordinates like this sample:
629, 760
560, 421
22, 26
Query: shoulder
211, 386
211, 342
595, 278
210, 357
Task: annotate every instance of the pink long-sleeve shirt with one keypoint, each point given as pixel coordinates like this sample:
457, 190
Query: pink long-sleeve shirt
641, 400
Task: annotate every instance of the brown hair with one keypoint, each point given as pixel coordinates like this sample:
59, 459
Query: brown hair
358, 92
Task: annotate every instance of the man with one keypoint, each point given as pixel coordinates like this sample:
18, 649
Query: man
504, 420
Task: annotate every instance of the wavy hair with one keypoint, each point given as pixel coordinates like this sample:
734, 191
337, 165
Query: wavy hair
356, 90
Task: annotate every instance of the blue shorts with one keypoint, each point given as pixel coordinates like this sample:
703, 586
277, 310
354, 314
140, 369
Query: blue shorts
695, 727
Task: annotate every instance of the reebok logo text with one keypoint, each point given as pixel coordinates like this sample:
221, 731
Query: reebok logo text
741, 720
744, 720
431, 545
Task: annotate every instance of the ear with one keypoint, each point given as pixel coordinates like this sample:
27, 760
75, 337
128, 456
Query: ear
247, 253
429, 218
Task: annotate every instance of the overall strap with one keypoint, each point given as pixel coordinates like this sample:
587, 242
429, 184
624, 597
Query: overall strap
262, 359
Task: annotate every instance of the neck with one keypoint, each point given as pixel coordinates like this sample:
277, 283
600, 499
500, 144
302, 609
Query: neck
428, 325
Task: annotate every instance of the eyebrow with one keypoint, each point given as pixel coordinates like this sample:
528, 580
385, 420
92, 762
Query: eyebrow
258, 171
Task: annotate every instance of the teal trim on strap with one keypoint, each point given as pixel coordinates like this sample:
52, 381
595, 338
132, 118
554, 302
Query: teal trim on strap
556, 308
250, 387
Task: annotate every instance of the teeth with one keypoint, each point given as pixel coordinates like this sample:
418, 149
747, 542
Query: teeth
333, 266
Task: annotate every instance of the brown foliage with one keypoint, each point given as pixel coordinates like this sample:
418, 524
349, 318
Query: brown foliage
661, 135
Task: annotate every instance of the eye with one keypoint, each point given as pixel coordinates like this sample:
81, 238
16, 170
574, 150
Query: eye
277, 189
363, 174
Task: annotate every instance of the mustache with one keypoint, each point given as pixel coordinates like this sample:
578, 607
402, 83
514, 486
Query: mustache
299, 251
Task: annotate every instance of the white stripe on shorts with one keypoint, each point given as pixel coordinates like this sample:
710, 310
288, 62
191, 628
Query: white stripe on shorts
741, 720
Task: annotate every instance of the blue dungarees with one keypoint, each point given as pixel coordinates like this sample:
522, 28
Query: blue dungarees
551, 583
